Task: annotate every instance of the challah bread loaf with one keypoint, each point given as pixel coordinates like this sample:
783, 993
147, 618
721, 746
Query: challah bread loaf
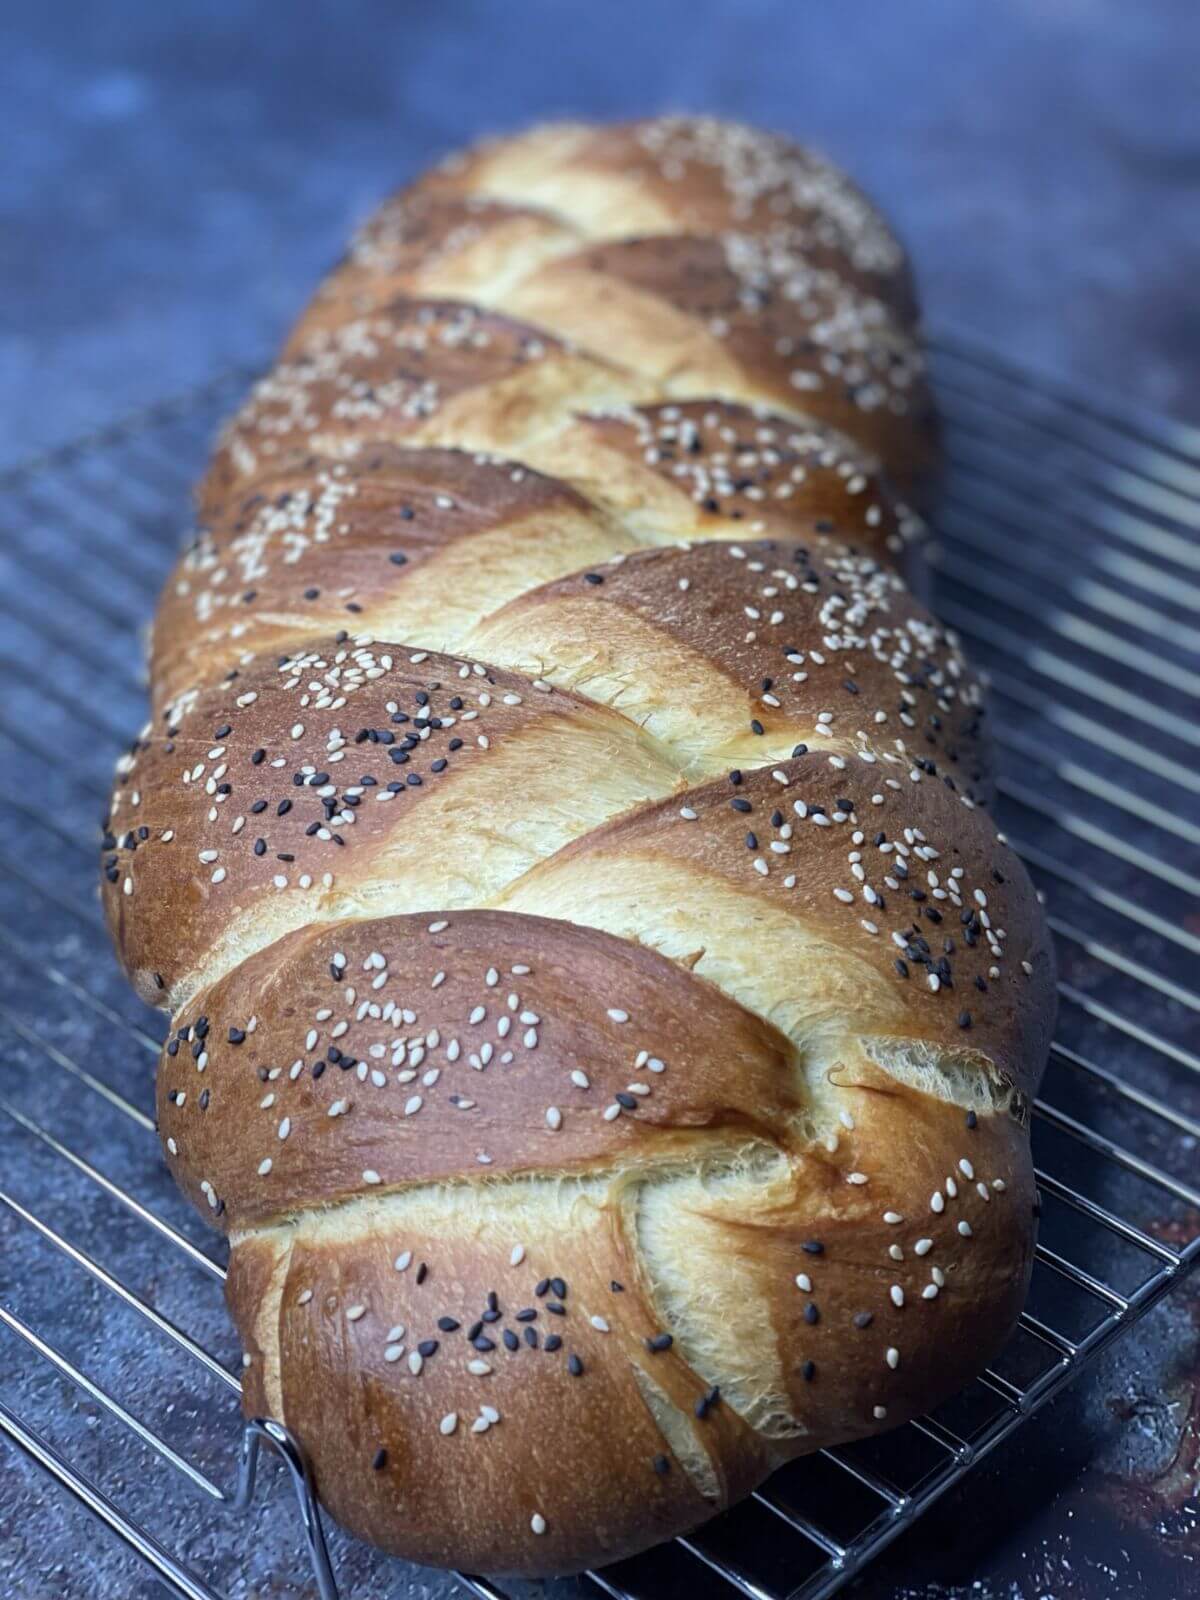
604, 1017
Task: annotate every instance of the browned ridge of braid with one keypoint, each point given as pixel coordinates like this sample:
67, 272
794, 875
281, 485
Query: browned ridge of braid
604, 1015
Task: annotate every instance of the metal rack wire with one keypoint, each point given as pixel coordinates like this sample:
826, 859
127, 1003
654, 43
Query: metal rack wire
1070, 562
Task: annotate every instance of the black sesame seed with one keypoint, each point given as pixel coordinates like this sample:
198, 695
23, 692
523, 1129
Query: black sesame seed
811, 1314
511, 1342
427, 1347
813, 1247
574, 1366
379, 1460
863, 1319
552, 1342
808, 1371
662, 1466
448, 1325
660, 1342
972, 1120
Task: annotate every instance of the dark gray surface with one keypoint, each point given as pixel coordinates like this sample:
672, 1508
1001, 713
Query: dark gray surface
175, 175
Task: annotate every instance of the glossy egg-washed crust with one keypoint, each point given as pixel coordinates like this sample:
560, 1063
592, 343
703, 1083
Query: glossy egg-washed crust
604, 1017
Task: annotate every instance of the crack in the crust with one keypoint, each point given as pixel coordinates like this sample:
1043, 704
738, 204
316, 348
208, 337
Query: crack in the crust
730, 1140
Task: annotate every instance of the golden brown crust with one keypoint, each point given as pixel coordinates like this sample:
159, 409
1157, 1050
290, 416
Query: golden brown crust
713, 469
715, 630
729, 316
923, 915
426, 1048
373, 544
605, 1022
425, 1319
418, 243
686, 174
438, 1441
420, 371
351, 778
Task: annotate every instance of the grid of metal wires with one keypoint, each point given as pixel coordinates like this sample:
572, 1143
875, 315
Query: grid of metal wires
1069, 562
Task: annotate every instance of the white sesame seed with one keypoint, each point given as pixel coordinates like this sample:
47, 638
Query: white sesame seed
516, 1255
354, 1313
804, 1282
937, 1202
897, 1294
599, 1324
923, 1246
553, 1118
264, 1167
964, 1229
371, 1176
893, 1217
537, 1522
893, 1357
448, 1424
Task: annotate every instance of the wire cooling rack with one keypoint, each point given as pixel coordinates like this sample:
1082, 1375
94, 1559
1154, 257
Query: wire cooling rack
1069, 561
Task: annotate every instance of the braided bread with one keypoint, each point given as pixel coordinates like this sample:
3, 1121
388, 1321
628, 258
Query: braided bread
604, 1016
